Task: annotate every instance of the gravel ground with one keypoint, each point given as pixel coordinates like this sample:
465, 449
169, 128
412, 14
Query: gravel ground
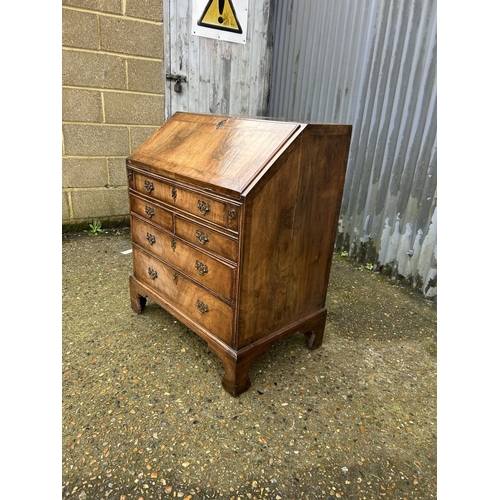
144, 415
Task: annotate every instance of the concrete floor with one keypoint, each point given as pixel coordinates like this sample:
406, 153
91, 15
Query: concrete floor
145, 416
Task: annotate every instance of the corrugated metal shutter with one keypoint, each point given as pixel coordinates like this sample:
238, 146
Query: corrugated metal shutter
371, 64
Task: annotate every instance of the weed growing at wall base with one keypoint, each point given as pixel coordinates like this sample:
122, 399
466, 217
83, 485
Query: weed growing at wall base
369, 267
95, 228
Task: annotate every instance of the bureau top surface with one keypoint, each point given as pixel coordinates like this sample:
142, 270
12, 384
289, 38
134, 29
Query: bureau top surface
221, 151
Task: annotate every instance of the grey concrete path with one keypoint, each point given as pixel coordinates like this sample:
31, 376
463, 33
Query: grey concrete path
145, 416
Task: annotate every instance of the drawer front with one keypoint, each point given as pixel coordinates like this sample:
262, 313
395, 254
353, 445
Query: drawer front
156, 189
223, 214
218, 212
153, 212
192, 300
206, 238
210, 272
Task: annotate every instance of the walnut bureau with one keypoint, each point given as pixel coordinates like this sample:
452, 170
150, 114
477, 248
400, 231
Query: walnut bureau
233, 223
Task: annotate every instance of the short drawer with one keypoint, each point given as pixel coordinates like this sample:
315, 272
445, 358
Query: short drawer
225, 214
151, 211
208, 271
160, 190
206, 238
190, 299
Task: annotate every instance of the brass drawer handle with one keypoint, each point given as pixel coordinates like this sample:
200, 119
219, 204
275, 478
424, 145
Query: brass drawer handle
202, 237
151, 238
203, 308
203, 207
148, 186
152, 273
202, 268
174, 193
232, 213
176, 278
149, 211
173, 244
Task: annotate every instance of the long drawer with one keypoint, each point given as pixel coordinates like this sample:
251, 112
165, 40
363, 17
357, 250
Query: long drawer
225, 214
189, 298
210, 272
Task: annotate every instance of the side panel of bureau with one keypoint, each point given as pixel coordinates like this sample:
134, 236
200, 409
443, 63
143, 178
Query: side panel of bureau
324, 157
267, 278
289, 233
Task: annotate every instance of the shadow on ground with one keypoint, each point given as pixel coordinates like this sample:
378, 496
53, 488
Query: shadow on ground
145, 416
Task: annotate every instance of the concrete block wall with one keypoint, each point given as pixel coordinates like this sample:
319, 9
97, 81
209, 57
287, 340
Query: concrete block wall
113, 97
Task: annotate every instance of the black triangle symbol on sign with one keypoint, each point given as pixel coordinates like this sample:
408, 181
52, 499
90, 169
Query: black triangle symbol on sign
220, 15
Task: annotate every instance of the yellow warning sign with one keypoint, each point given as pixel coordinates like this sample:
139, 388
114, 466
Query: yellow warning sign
220, 15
